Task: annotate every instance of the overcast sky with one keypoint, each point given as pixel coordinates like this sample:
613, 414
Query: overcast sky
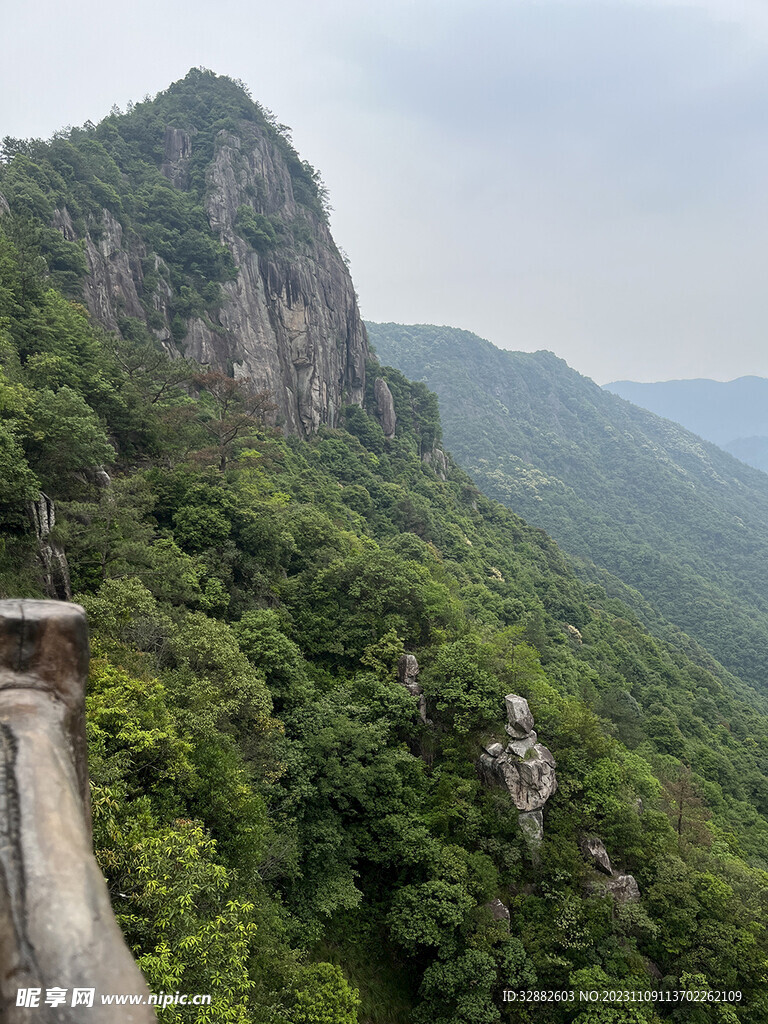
587, 177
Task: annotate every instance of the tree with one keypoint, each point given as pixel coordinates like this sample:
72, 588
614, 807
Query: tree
323, 996
64, 437
240, 409
151, 370
18, 484
686, 809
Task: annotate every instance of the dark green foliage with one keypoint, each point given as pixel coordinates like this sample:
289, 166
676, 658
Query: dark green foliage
260, 231
672, 516
276, 823
108, 178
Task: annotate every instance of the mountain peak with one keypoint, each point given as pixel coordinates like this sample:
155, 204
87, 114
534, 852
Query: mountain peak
191, 221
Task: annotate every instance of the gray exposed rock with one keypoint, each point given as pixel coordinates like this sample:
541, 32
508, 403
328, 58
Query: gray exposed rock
530, 782
546, 755
525, 767
623, 888
519, 717
595, 851
494, 750
521, 747
96, 475
114, 272
438, 460
162, 298
499, 911
176, 156
4, 207
532, 826
385, 406
57, 925
52, 555
289, 321
63, 223
407, 674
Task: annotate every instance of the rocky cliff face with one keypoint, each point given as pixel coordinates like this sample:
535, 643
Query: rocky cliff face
289, 319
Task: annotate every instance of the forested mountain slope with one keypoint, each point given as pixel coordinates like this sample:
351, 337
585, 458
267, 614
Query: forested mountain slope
278, 824
191, 220
733, 414
676, 518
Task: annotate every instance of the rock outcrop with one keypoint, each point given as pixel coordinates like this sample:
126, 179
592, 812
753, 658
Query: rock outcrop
289, 321
177, 151
438, 460
622, 887
407, 674
56, 922
385, 406
114, 269
594, 850
51, 554
519, 717
499, 911
525, 767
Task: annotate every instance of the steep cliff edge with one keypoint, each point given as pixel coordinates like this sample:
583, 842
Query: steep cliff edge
198, 222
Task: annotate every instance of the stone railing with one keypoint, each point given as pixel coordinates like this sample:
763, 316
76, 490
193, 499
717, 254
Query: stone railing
57, 930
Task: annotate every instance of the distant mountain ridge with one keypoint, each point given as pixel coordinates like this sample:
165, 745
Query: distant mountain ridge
667, 513
733, 414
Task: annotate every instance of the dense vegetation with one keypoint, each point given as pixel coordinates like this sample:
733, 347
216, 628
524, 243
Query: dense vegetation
672, 516
276, 824
87, 179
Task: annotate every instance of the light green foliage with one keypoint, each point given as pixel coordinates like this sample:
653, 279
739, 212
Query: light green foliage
282, 826
17, 482
133, 733
323, 996
199, 938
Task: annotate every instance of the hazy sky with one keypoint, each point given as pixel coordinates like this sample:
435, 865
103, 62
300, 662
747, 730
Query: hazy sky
587, 177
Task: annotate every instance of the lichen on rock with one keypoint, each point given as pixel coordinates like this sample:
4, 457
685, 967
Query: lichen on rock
525, 767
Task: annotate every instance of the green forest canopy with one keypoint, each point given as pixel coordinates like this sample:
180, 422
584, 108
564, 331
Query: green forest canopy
276, 824
661, 510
